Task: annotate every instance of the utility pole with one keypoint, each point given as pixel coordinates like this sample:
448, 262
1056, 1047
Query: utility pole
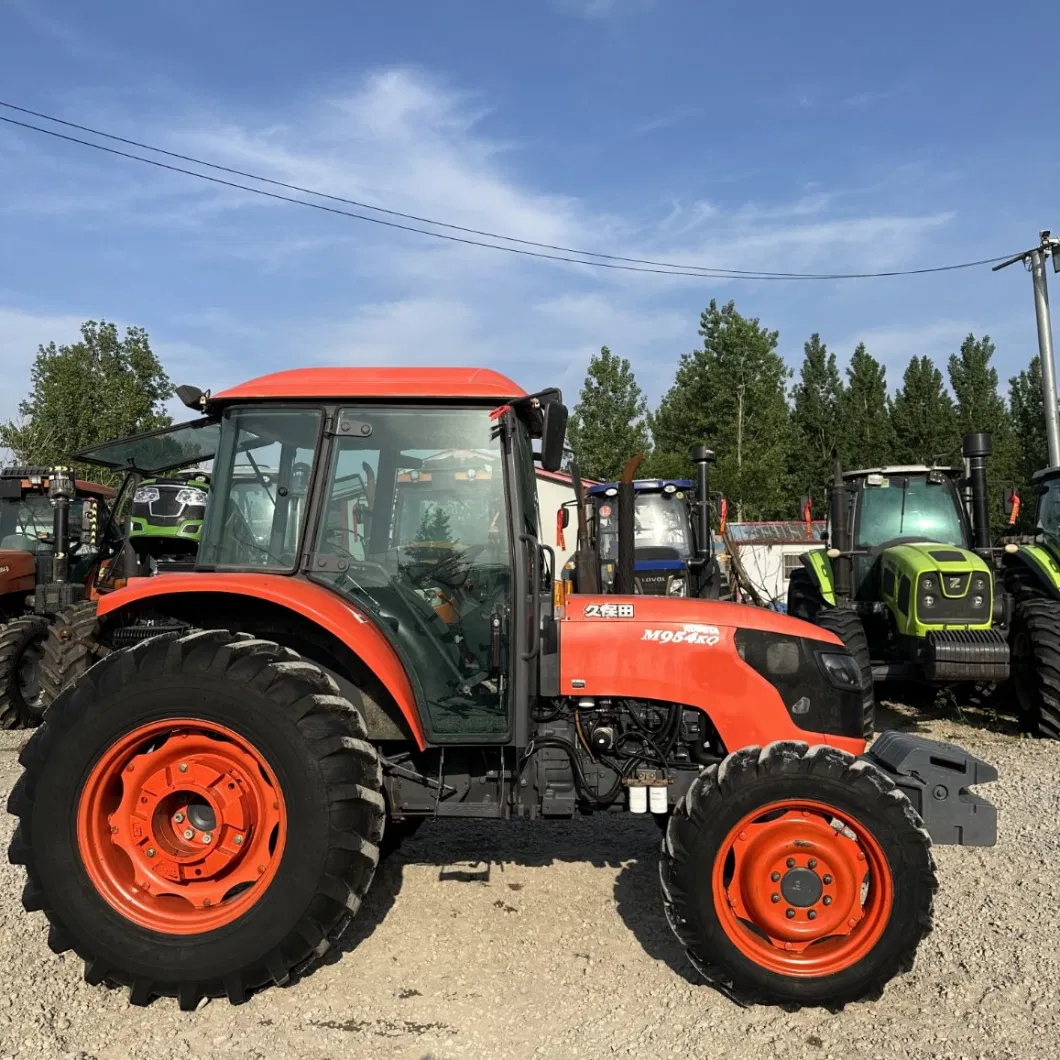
1034, 261
739, 447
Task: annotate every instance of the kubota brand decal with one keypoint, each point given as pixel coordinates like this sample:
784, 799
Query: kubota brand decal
691, 634
608, 610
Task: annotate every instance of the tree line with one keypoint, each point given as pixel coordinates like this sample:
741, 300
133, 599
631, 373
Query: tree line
773, 433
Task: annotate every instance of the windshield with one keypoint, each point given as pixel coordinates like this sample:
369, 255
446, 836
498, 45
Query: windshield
660, 521
258, 498
910, 506
1049, 510
24, 521
186, 443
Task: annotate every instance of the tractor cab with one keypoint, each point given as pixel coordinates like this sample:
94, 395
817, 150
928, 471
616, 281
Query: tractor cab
663, 536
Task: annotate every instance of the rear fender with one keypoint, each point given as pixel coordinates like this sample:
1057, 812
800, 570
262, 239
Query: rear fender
819, 568
354, 628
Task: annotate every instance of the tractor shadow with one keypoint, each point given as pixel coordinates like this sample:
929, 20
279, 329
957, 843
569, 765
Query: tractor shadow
485, 853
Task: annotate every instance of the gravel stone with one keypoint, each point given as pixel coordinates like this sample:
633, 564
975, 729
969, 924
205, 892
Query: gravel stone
485, 939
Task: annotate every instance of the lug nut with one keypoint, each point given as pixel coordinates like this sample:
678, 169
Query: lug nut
775, 898
827, 878
179, 818
790, 914
812, 914
774, 876
150, 852
207, 837
827, 899
238, 840
812, 863
189, 833
790, 863
183, 767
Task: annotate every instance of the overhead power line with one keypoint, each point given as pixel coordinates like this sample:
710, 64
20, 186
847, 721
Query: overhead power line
547, 251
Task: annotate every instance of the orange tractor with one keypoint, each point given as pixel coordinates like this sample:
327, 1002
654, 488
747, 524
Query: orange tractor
203, 809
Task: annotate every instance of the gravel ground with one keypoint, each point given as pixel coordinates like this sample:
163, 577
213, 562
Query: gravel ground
485, 940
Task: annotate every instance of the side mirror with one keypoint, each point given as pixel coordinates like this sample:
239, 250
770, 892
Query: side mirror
1012, 505
553, 434
562, 522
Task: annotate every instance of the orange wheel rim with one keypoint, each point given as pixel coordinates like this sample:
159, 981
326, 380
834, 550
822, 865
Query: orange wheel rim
802, 889
181, 826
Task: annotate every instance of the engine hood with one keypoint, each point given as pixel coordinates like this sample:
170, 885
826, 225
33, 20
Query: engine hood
926, 555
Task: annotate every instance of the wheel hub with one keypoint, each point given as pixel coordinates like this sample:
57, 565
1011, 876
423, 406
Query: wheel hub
801, 888
179, 825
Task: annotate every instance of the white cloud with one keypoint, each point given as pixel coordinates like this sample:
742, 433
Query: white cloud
894, 347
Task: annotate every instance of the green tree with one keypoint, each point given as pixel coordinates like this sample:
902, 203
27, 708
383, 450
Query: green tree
730, 395
609, 423
922, 415
815, 420
102, 387
865, 435
1027, 405
980, 407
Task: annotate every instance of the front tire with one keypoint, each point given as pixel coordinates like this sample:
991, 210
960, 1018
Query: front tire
22, 700
72, 646
199, 816
769, 899
846, 624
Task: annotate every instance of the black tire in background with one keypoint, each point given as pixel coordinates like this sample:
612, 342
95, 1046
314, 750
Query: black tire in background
754, 778
1035, 665
329, 776
804, 601
70, 648
22, 700
846, 624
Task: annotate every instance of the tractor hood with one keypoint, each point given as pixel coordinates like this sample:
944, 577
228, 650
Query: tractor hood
18, 570
946, 559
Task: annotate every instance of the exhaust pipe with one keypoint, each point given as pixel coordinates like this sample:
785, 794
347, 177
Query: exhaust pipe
703, 457
976, 449
840, 535
625, 583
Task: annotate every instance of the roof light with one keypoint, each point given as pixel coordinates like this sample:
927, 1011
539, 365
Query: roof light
875, 480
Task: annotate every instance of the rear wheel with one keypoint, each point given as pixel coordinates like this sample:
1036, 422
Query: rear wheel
198, 816
798, 876
846, 624
21, 648
1036, 665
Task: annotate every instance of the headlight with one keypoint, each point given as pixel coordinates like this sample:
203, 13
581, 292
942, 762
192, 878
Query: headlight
928, 585
190, 496
146, 495
977, 601
929, 601
841, 669
676, 588
979, 584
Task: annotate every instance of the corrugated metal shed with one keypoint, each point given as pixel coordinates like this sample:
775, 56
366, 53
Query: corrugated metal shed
776, 533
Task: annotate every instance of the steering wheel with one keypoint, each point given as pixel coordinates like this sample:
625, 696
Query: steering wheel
907, 539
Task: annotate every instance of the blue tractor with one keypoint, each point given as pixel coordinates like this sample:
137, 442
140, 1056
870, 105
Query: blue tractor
672, 550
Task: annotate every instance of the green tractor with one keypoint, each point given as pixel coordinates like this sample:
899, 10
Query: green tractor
165, 520
1032, 576
912, 584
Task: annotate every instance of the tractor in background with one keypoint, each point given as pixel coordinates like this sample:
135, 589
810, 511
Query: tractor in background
166, 517
912, 583
216, 790
49, 555
669, 532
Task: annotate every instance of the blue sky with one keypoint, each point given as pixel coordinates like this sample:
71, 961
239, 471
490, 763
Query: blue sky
818, 137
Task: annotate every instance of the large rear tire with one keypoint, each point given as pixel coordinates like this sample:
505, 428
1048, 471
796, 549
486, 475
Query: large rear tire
1036, 665
199, 816
767, 893
70, 648
21, 649
846, 624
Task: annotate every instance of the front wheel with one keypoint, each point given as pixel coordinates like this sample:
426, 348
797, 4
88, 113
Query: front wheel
1036, 665
198, 816
796, 875
846, 624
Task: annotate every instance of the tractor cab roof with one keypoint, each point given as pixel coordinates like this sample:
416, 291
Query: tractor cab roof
1045, 474
643, 485
372, 384
901, 469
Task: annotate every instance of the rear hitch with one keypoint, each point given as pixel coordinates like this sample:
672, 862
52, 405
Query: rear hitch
936, 777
